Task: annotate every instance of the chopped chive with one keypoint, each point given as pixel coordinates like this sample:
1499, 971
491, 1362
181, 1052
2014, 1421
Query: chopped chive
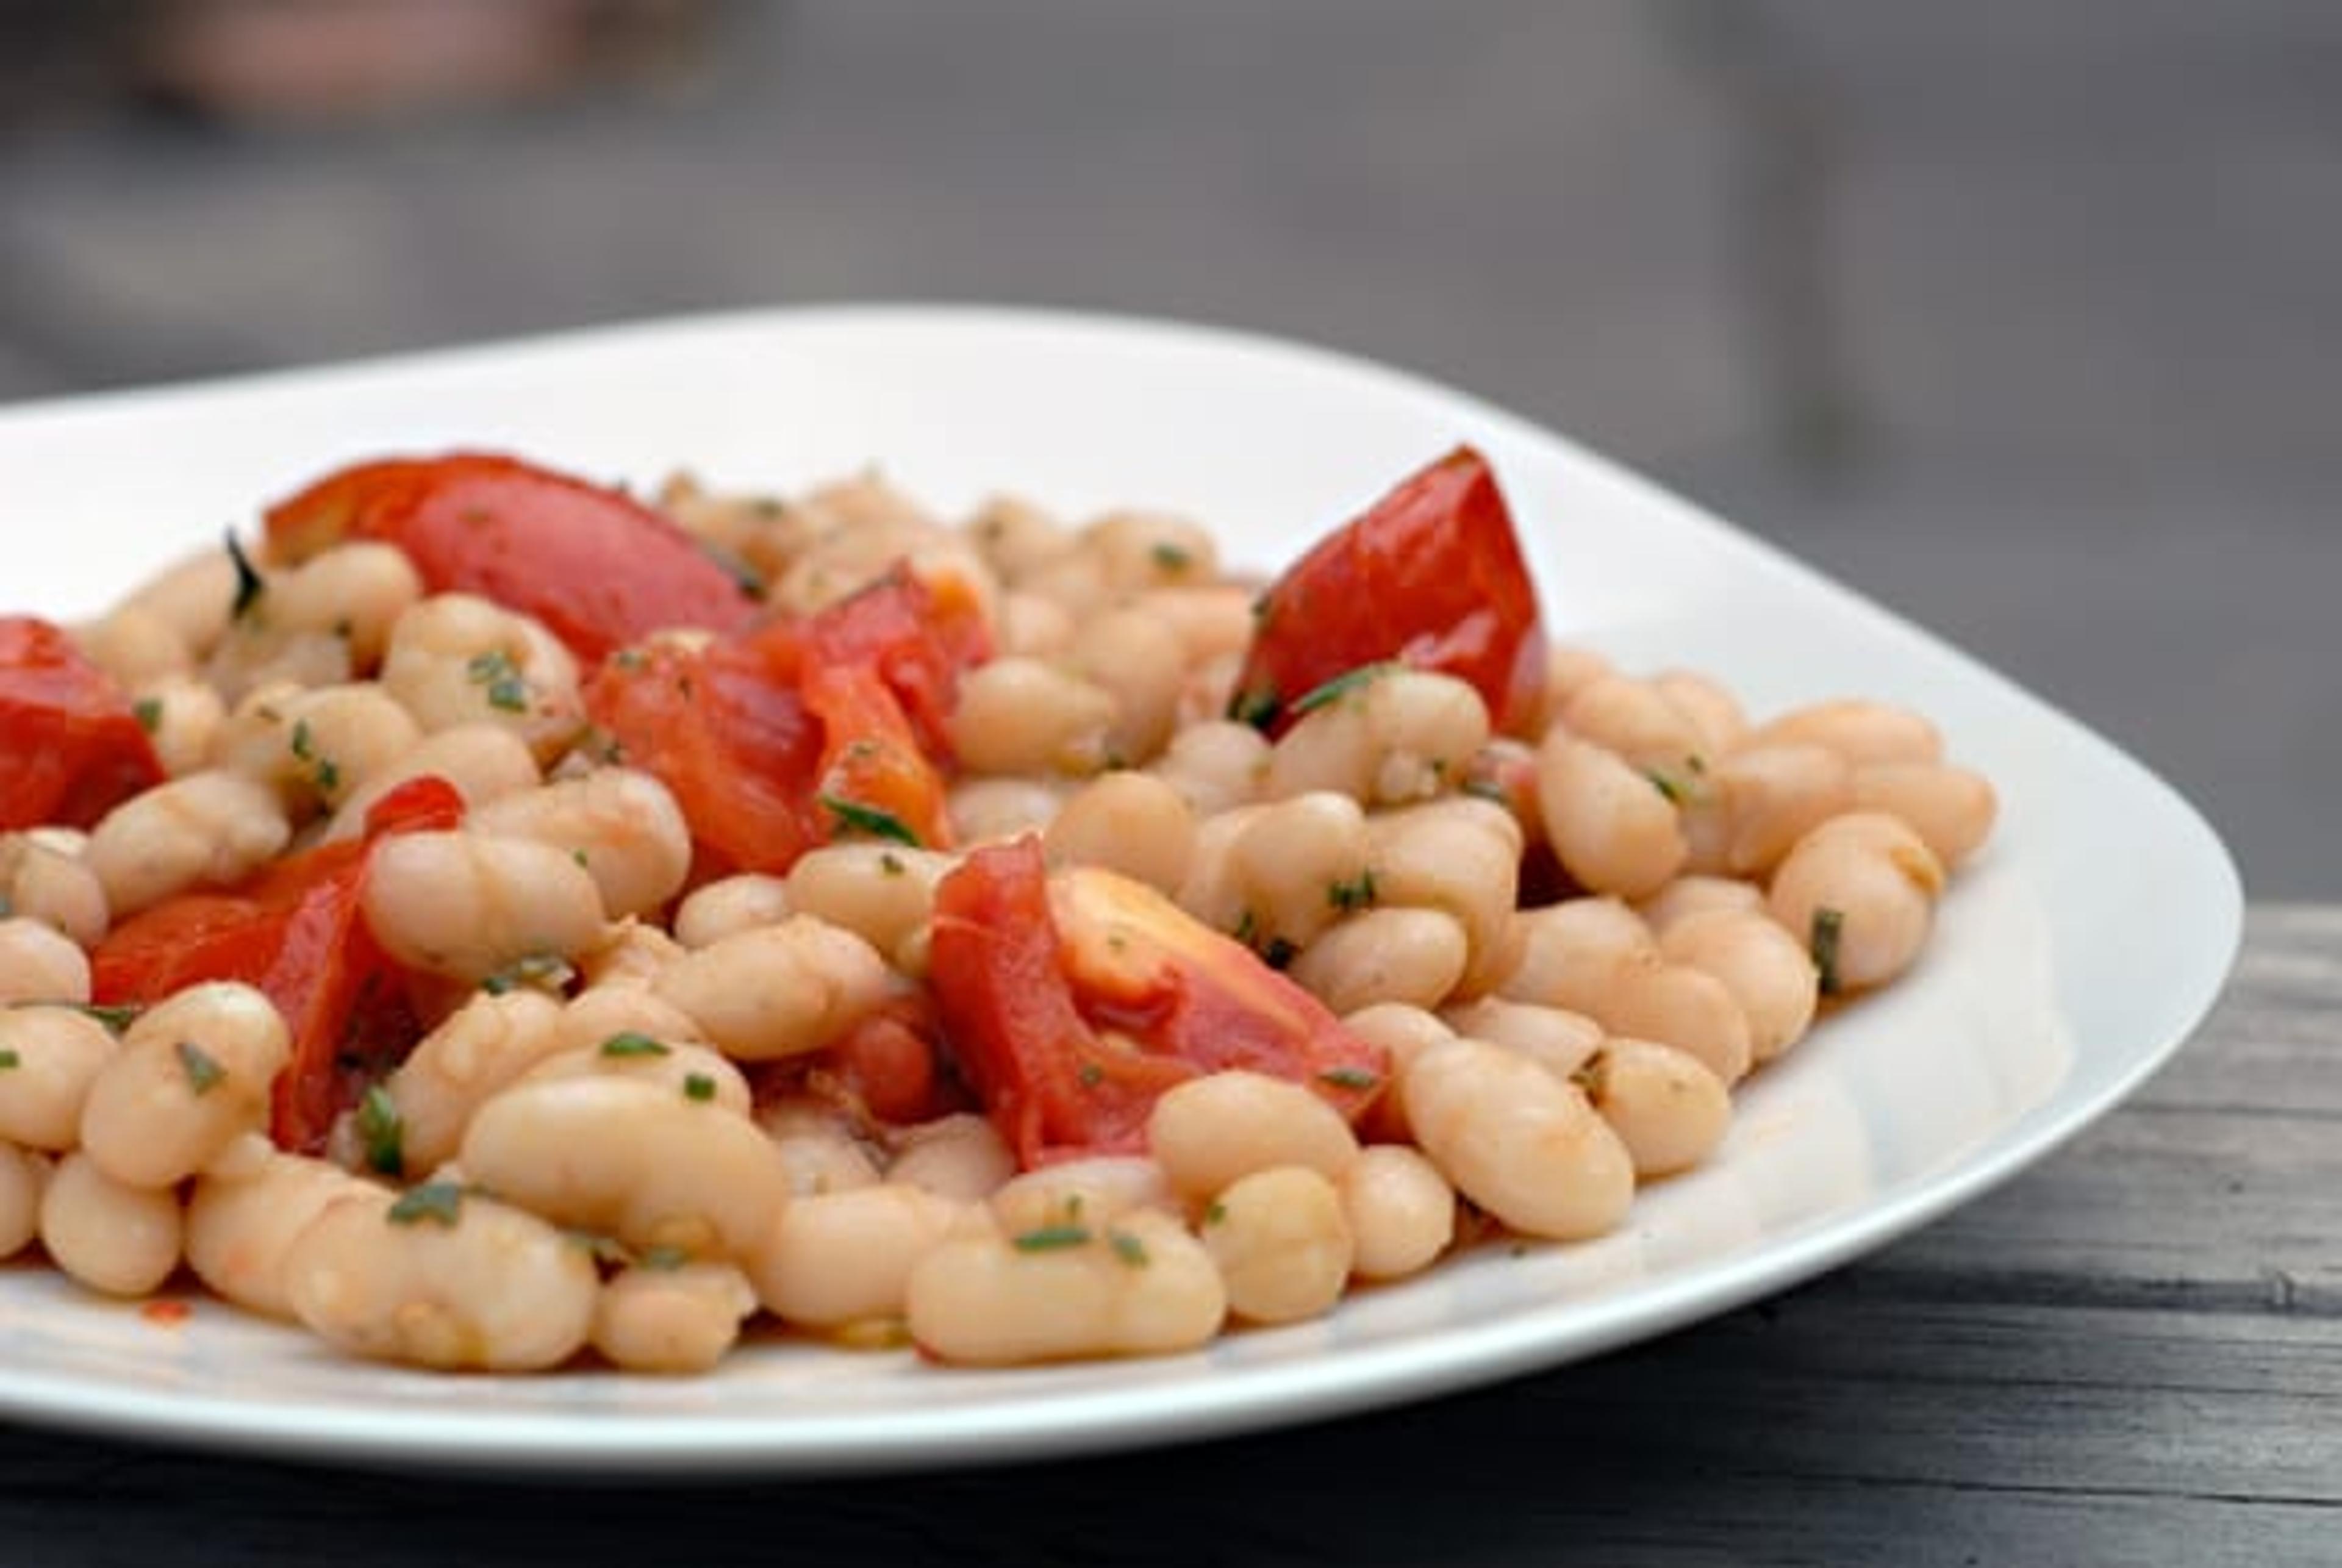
1829, 926
203, 1069
495, 671
1128, 1248
1280, 952
698, 1086
9, 1059
441, 1202
148, 712
542, 971
1675, 794
382, 1131
1347, 681
890, 863
1171, 557
1216, 1214
868, 819
1255, 705
303, 744
1051, 1238
117, 1017
633, 1043
1354, 894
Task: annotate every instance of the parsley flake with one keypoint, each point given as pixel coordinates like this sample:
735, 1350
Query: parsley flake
383, 1131
633, 1043
148, 712
495, 671
1172, 557
1255, 705
303, 743
249, 583
1334, 690
203, 1069
856, 818
1090, 1075
541, 971
1354, 894
1349, 1078
9, 1059
662, 1259
1128, 1248
1051, 1239
117, 1017
1216, 1214
1829, 926
698, 1086
440, 1203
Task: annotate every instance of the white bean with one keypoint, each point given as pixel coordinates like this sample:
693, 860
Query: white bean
622, 827
193, 1075
883, 893
630, 1159
846, 1258
1211, 1132
1282, 1242
122, 1240
461, 1280
23, 1174
1860, 730
778, 990
715, 910
1391, 735
1020, 715
1400, 1209
1559, 1041
1090, 1191
483, 763
671, 1320
1860, 891
53, 1056
1612, 828
487, 1043
209, 827
458, 659
1132, 823
1769, 972
1519, 1141
1668, 1110
1951, 809
39, 962
468, 905
242, 1224
962, 1157
1215, 765
1416, 956
1143, 1286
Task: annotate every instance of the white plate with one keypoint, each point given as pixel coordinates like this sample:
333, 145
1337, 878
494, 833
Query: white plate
2077, 954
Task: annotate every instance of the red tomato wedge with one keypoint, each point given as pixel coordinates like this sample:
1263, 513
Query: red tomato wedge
296, 932
1431, 575
597, 567
1072, 1002
73, 748
797, 732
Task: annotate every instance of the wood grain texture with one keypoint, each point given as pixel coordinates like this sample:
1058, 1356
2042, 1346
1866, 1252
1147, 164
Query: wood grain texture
2131, 1354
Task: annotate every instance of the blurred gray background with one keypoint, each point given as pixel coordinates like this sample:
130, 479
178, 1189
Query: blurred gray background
2028, 326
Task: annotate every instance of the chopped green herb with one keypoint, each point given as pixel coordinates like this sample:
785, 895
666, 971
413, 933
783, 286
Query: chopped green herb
1128, 1248
579, 857
116, 1017
1216, 1214
1091, 1074
605, 1250
1256, 705
663, 1259
327, 775
1051, 1238
868, 819
203, 1069
1172, 557
542, 971
303, 744
249, 583
495, 671
1349, 1078
633, 1043
1829, 926
441, 1202
698, 1086
382, 1131
1485, 788
148, 712
1347, 681
9, 1059
890, 863
1354, 894
629, 659
1279, 953
750, 581
1247, 928
1676, 794
1261, 602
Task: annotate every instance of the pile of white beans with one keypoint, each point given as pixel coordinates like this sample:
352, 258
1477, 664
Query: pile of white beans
584, 1167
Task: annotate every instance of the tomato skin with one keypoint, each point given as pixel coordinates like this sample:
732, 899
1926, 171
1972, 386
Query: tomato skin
295, 931
916, 637
74, 749
1431, 575
597, 567
1071, 1005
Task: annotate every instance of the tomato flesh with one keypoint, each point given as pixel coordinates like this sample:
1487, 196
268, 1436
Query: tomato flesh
295, 931
1072, 1004
73, 747
1431, 575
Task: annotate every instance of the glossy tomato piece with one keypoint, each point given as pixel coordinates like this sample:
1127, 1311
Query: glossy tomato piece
1431, 575
725, 729
73, 748
1071, 1003
296, 932
597, 567
918, 637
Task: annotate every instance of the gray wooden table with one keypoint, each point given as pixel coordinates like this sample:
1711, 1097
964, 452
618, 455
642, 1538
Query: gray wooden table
2131, 1354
